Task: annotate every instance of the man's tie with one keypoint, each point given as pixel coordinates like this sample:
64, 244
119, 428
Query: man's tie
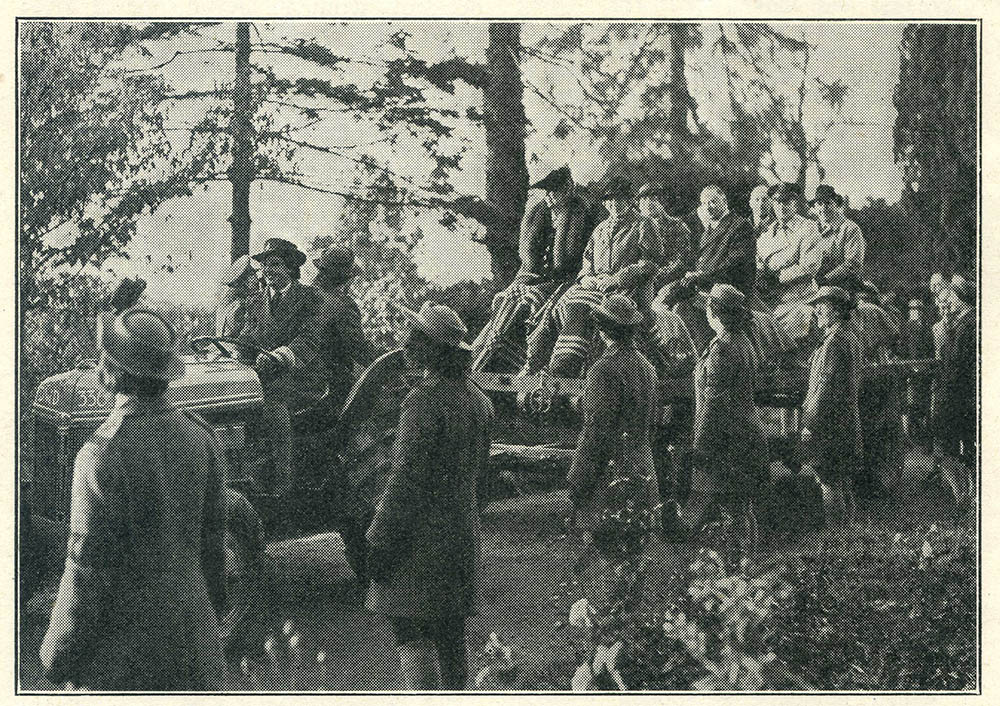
275, 298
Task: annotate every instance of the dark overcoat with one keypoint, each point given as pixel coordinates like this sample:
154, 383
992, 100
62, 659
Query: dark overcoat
727, 253
620, 397
137, 603
553, 238
299, 321
428, 512
830, 409
728, 430
955, 403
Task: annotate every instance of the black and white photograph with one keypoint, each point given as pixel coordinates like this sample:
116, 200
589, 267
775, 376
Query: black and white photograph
503, 355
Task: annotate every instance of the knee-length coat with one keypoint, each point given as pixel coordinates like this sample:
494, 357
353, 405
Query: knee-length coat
138, 601
728, 430
620, 397
830, 409
428, 512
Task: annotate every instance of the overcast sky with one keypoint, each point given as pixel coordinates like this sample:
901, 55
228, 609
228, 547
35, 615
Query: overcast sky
194, 231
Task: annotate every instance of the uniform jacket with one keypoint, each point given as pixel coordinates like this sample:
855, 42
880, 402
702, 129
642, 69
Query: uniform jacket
830, 408
727, 251
137, 603
676, 245
342, 344
955, 391
792, 250
429, 510
620, 396
299, 322
728, 431
553, 239
838, 250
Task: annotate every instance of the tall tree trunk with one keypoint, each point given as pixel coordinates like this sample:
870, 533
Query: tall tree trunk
241, 173
506, 173
680, 98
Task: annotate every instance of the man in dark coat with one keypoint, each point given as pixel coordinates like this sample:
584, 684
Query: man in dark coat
955, 410
726, 254
831, 422
425, 537
554, 233
285, 319
143, 586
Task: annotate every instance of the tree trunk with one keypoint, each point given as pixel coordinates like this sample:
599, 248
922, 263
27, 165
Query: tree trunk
241, 173
506, 173
680, 99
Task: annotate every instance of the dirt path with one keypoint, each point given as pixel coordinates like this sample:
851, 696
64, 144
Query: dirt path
527, 591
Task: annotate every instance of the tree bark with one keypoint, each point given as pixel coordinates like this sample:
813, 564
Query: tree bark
506, 173
680, 98
241, 171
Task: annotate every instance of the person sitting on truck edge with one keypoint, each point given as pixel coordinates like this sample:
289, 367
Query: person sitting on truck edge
143, 587
674, 235
831, 422
622, 256
840, 247
783, 282
286, 320
553, 235
725, 255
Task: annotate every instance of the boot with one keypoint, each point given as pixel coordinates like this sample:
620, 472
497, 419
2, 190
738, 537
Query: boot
419, 666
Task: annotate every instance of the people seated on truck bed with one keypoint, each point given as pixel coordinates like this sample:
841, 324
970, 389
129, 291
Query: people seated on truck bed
554, 233
783, 280
623, 253
725, 255
674, 234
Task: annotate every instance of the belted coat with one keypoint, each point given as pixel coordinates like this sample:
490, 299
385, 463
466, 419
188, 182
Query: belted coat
428, 513
728, 429
830, 409
138, 600
619, 397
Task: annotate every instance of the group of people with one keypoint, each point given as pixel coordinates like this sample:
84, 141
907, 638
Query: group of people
149, 505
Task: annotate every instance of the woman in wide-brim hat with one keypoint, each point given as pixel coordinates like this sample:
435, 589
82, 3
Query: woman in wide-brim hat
619, 406
424, 539
137, 610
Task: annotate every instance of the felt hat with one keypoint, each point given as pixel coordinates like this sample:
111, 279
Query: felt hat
554, 180
283, 249
338, 260
825, 192
617, 310
784, 191
440, 322
140, 342
238, 272
728, 297
830, 293
651, 189
617, 188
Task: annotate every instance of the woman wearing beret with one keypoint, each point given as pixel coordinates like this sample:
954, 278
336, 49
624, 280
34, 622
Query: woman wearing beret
424, 539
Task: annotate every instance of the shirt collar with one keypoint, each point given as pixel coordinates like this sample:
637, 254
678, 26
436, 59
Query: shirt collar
284, 291
831, 227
